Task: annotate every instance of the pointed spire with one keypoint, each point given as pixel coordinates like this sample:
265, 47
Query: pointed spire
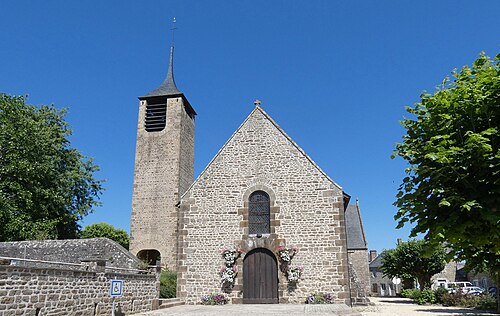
168, 87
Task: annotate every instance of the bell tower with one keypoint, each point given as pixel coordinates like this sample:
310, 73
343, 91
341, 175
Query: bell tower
164, 167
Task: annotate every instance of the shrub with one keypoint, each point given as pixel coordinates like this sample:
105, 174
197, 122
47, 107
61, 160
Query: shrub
453, 299
414, 294
214, 299
319, 298
486, 302
439, 292
168, 284
426, 296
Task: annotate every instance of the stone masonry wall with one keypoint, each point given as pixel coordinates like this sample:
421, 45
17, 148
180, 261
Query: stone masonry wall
163, 170
70, 251
307, 210
359, 275
60, 292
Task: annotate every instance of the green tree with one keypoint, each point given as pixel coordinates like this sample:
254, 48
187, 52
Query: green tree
452, 142
412, 261
46, 186
168, 284
106, 230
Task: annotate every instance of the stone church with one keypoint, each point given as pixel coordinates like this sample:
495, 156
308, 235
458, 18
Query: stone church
262, 223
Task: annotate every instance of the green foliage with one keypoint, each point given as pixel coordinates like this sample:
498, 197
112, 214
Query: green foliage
411, 260
452, 190
426, 296
320, 298
106, 230
453, 299
484, 302
46, 186
439, 292
168, 284
441, 296
411, 293
421, 297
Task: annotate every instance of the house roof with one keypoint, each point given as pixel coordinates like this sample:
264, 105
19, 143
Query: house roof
376, 263
356, 238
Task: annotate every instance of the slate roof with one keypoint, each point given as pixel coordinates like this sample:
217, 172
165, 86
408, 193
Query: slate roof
168, 87
354, 228
376, 263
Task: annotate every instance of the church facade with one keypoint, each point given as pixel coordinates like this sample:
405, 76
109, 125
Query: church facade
262, 223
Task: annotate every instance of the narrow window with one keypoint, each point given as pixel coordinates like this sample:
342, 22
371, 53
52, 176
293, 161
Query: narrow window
258, 213
156, 117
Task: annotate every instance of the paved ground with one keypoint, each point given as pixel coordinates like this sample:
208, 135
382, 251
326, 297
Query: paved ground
382, 307
254, 310
395, 306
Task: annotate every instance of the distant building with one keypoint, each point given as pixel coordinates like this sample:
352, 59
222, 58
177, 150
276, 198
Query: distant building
380, 284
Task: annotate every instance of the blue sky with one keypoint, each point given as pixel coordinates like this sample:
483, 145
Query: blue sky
335, 75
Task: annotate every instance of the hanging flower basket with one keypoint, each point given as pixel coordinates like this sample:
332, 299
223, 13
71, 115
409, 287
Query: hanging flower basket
228, 275
293, 274
230, 256
285, 254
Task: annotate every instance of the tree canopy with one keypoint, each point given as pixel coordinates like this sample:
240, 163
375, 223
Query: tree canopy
106, 230
452, 189
412, 261
46, 186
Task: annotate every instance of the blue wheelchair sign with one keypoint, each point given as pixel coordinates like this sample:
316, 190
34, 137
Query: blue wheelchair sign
116, 288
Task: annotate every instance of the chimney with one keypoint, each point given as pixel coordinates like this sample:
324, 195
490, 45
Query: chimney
400, 240
373, 255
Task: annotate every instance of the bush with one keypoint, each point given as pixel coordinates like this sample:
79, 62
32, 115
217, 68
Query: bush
439, 292
453, 299
414, 294
319, 298
486, 302
214, 299
426, 296
441, 295
168, 284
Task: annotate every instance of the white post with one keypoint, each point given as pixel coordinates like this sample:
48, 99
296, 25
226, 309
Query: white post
113, 308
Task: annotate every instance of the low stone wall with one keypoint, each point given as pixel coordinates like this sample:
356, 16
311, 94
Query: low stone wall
71, 251
60, 291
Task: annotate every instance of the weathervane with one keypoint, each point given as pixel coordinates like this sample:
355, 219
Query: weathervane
173, 30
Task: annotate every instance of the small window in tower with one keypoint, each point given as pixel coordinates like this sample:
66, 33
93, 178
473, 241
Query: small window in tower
259, 213
156, 117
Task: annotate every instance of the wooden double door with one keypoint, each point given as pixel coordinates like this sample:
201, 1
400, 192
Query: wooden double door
260, 277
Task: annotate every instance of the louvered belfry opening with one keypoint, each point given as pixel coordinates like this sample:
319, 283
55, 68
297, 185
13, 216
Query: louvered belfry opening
259, 213
156, 116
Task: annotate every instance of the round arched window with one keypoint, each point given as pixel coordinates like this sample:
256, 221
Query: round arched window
258, 213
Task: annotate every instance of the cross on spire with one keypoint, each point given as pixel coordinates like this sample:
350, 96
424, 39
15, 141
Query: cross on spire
173, 30
256, 102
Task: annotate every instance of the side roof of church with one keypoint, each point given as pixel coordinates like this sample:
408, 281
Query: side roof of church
256, 110
356, 239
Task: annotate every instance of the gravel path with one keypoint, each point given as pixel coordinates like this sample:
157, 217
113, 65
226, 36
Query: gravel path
394, 306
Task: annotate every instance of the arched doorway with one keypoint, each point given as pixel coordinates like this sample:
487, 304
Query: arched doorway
260, 277
151, 256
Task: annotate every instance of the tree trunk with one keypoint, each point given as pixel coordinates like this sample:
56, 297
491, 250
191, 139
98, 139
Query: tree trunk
496, 276
408, 284
424, 281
